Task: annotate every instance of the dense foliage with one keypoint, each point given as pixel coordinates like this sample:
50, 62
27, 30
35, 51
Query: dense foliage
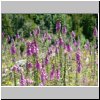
82, 24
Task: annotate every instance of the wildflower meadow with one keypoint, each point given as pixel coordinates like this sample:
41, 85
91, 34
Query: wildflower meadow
49, 50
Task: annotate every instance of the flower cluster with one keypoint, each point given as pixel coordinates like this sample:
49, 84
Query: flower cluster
78, 61
32, 48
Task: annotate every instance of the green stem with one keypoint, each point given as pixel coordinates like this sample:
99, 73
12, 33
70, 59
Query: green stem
76, 81
36, 76
15, 79
65, 72
68, 71
90, 61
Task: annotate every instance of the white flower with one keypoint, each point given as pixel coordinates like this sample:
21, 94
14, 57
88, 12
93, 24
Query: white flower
21, 62
87, 60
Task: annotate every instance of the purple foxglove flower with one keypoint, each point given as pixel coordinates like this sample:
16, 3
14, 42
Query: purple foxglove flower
95, 32
38, 65
43, 79
29, 81
22, 80
17, 36
33, 51
19, 69
34, 48
28, 44
44, 37
75, 43
78, 57
52, 73
57, 50
49, 37
29, 65
49, 52
78, 60
37, 31
16, 68
29, 53
79, 67
87, 45
58, 74
58, 26
64, 30
61, 42
73, 34
57, 43
13, 49
68, 48
46, 60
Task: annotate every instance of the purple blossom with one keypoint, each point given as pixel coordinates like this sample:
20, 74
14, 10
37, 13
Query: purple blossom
29, 53
38, 65
13, 49
36, 31
28, 44
57, 50
46, 36
49, 51
79, 67
58, 74
95, 32
29, 81
64, 30
46, 60
75, 43
68, 48
58, 26
32, 48
87, 45
22, 80
73, 34
49, 37
52, 73
16, 68
78, 57
17, 36
43, 76
57, 43
29, 65
61, 42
